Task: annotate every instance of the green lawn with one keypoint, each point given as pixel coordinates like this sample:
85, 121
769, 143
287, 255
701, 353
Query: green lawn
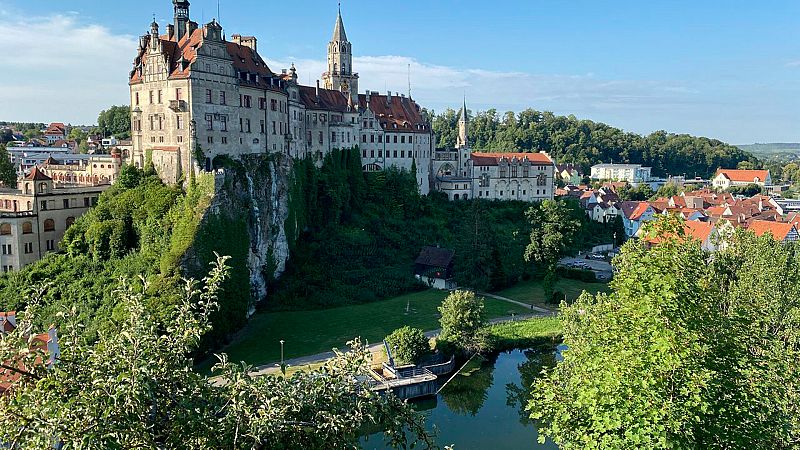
310, 332
531, 292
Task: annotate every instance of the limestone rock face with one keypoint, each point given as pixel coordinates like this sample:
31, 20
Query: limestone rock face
255, 190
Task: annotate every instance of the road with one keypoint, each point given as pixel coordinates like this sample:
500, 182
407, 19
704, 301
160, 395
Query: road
601, 267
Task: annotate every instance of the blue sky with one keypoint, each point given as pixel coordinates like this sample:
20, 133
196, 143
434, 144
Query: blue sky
726, 69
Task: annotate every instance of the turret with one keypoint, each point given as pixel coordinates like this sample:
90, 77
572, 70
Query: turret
181, 18
463, 125
154, 39
340, 76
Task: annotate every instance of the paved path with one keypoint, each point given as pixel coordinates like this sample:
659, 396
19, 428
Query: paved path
377, 348
524, 305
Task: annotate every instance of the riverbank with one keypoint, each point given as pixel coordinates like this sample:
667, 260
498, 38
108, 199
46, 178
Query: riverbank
540, 332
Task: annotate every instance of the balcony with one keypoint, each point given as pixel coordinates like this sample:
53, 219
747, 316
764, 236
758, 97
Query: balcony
177, 105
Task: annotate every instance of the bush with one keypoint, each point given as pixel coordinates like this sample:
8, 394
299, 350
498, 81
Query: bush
408, 345
584, 275
462, 320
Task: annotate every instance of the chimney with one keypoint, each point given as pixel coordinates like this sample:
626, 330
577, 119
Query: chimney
388, 97
170, 31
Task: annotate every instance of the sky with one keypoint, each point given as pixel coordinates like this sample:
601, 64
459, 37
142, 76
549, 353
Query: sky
723, 69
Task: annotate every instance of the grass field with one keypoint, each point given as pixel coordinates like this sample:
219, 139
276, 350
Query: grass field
531, 292
311, 332
527, 333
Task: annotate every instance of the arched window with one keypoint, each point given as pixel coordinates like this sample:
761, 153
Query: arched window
49, 225
30, 206
27, 228
70, 221
5, 229
42, 187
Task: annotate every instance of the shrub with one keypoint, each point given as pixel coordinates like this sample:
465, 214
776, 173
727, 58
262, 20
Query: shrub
408, 344
462, 320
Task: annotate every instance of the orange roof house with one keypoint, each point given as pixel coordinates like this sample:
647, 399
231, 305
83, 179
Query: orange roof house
780, 231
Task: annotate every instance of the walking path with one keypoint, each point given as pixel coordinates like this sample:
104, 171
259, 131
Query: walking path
275, 367
524, 305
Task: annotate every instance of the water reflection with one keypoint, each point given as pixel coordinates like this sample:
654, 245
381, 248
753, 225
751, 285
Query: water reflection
484, 406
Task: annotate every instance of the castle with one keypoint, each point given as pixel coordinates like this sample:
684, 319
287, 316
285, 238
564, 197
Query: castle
196, 95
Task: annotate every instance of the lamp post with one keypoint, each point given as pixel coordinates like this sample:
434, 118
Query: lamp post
283, 364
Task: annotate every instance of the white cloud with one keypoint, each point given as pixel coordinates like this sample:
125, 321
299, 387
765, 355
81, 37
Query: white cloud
56, 68
793, 64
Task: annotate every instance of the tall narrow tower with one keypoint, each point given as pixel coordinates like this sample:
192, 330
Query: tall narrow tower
463, 124
340, 74
181, 17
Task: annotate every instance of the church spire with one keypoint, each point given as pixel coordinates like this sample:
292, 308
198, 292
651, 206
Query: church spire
338, 30
463, 122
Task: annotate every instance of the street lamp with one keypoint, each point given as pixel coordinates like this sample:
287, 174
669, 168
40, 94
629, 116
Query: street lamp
283, 364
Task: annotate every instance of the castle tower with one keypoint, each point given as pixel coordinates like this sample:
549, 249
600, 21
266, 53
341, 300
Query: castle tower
340, 74
463, 124
181, 18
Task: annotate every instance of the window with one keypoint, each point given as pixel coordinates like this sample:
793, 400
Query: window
247, 123
86, 202
333, 136
159, 96
241, 124
211, 139
43, 206
222, 99
178, 94
137, 99
273, 105
179, 122
274, 130
208, 96
223, 123
262, 103
51, 245
49, 225
209, 122
68, 223
364, 138
7, 249
151, 97
262, 127
247, 101
66, 203
321, 138
395, 139
224, 139
28, 248
402, 139
5, 229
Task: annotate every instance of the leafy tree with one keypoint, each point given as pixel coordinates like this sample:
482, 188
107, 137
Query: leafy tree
8, 174
747, 190
667, 190
618, 230
115, 121
462, 320
791, 173
552, 237
688, 351
130, 176
408, 344
640, 193
136, 389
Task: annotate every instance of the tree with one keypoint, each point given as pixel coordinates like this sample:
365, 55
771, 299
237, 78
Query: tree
747, 190
688, 351
552, 237
408, 344
667, 190
115, 121
8, 173
130, 176
136, 389
462, 320
791, 173
639, 193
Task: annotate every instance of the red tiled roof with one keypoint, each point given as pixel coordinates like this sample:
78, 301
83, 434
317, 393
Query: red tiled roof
639, 211
692, 229
167, 148
402, 113
37, 175
744, 176
493, 159
779, 230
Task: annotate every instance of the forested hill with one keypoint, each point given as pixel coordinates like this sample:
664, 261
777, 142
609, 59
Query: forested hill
583, 142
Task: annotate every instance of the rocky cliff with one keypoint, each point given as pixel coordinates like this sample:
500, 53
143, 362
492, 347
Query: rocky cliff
245, 220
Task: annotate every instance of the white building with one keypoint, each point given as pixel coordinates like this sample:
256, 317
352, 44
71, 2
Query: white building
632, 173
727, 178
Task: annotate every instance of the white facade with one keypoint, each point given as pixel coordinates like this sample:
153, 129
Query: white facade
632, 173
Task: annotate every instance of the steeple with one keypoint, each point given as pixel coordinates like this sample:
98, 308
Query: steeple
463, 123
338, 30
340, 76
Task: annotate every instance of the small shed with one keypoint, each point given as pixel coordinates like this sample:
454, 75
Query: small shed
434, 266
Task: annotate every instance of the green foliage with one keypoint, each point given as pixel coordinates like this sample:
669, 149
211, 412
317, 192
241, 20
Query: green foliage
747, 190
115, 121
135, 388
667, 190
8, 175
554, 229
354, 236
640, 193
687, 352
532, 333
462, 320
408, 344
586, 143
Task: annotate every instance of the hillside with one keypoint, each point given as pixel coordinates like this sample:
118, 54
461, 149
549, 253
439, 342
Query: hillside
584, 142
779, 151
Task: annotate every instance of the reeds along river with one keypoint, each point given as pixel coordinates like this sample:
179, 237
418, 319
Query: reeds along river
484, 406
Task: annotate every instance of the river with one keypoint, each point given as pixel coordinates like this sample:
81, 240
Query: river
484, 406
